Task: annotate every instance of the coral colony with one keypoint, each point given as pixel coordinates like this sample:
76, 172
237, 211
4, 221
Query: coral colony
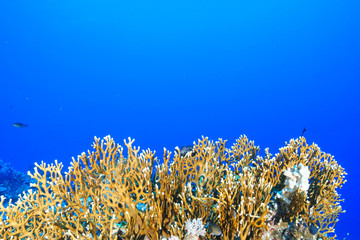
207, 192
12, 182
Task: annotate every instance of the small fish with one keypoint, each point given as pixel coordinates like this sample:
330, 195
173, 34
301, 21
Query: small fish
302, 134
214, 229
184, 150
19, 125
313, 229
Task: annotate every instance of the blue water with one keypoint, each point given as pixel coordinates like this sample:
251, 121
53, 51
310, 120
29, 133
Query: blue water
168, 72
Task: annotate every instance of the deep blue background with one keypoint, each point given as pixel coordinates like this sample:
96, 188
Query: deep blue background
168, 72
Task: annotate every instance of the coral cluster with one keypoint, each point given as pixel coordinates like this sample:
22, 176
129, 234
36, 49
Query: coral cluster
12, 182
207, 192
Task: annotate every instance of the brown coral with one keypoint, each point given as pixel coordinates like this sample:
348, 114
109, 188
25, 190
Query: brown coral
110, 194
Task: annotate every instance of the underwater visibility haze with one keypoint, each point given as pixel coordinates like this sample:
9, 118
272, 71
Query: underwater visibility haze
179, 75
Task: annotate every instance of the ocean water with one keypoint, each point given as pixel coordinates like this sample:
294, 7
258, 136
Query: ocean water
168, 72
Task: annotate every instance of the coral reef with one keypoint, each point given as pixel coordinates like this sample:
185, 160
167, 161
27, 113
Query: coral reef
12, 182
206, 192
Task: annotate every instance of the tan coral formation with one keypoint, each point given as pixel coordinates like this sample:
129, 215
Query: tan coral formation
110, 194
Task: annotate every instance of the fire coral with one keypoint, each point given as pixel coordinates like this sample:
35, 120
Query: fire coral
120, 193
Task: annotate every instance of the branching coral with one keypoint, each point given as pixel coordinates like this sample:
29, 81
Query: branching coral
110, 193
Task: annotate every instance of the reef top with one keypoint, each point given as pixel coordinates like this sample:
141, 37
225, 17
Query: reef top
209, 191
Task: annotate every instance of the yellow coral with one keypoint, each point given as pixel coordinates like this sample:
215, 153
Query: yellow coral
107, 194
